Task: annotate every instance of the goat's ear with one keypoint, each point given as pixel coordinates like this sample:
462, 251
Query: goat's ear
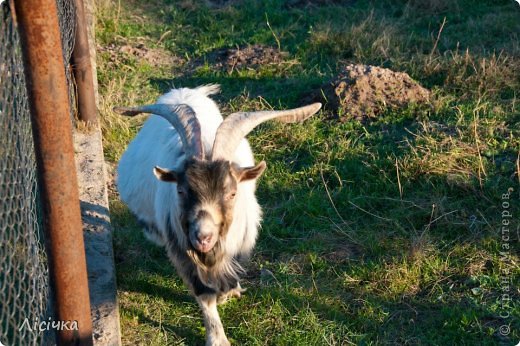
249, 173
165, 175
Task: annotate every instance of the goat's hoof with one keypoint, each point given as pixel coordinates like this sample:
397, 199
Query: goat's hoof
233, 293
223, 298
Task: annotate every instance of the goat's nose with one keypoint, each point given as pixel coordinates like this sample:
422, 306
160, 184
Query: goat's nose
204, 238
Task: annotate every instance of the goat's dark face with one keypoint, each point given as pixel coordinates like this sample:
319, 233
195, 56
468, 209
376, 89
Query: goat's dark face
207, 191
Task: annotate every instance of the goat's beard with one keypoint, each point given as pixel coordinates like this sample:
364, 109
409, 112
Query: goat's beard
214, 269
206, 260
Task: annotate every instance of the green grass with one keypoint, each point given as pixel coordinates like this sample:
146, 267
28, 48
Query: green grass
386, 232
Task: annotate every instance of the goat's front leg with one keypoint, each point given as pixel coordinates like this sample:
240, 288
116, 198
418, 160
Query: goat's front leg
215, 335
206, 296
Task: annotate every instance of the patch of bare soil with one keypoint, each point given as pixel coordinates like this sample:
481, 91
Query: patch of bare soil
341, 253
363, 92
154, 56
244, 57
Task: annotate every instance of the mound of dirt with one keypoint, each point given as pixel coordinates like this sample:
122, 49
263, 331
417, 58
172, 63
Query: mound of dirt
363, 91
154, 56
243, 57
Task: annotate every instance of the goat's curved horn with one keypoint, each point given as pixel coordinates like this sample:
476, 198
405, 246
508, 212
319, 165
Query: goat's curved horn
183, 119
237, 125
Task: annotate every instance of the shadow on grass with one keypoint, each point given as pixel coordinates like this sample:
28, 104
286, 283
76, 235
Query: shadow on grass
325, 190
345, 194
297, 210
184, 333
356, 315
288, 91
407, 321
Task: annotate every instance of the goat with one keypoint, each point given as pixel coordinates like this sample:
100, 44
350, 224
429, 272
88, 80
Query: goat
208, 216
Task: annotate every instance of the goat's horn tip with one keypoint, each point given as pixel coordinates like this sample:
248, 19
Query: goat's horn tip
129, 111
316, 106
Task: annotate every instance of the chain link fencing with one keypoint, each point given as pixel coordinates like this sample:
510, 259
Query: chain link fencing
25, 291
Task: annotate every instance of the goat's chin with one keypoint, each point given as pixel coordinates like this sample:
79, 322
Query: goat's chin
204, 248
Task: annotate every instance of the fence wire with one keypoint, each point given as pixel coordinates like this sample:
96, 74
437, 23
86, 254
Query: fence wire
24, 275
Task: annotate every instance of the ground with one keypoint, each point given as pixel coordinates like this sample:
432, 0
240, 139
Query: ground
388, 230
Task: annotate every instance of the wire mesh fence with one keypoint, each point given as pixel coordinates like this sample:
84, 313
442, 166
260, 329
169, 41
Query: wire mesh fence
25, 298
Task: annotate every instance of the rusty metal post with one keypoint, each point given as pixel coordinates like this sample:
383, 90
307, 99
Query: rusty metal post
52, 130
82, 68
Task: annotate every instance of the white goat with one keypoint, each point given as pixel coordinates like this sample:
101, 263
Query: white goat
208, 216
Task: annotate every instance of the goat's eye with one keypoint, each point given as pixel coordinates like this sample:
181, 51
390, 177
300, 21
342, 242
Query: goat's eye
230, 196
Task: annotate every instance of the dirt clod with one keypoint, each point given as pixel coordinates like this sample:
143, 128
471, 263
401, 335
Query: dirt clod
244, 57
154, 56
363, 92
